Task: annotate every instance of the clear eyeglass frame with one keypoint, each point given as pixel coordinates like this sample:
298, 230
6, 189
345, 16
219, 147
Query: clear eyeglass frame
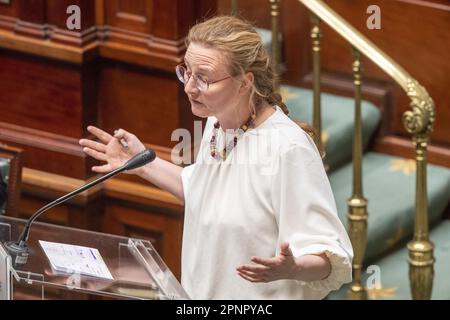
200, 83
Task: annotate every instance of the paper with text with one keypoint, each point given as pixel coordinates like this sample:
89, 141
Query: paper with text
75, 259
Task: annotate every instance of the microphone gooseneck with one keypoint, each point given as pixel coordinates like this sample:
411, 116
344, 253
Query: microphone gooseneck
19, 249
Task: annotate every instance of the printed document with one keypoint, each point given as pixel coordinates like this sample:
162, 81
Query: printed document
75, 259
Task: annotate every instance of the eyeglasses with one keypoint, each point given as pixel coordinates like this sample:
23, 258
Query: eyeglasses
200, 82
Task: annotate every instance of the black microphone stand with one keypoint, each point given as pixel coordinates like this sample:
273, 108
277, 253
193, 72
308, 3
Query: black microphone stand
19, 250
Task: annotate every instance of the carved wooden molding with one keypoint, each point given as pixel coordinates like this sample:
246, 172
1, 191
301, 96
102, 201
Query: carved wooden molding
48, 185
7, 23
137, 33
79, 49
40, 31
80, 39
11, 41
55, 142
37, 138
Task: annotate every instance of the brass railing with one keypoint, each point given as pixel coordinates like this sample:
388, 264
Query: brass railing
234, 7
418, 122
276, 56
316, 34
357, 204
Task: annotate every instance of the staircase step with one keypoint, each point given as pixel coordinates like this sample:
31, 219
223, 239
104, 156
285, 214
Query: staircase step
389, 186
337, 121
394, 271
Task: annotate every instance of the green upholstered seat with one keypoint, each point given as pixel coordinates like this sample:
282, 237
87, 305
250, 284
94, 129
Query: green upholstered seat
4, 167
266, 37
389, 186
337, 121
4, 171
394, 271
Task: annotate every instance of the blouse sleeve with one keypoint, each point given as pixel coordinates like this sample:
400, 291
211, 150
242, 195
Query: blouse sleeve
306, 213
187, 171
186, 174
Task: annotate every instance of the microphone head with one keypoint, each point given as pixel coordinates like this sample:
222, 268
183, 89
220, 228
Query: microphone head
141, 159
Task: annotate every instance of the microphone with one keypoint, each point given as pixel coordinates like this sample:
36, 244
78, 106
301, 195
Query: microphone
19, 250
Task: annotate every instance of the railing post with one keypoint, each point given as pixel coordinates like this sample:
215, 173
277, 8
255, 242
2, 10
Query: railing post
317, 115
357, 204
234, 7
276, 59
419, 122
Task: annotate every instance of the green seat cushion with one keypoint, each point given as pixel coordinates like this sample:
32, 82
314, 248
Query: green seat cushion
394, 269
337, 121
4, 168
266, 37
4, 171
389, 186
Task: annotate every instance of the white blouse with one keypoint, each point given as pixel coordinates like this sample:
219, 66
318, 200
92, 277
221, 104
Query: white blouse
272, 188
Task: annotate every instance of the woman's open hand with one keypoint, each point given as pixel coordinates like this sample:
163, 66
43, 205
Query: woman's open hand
110, 150
309, 267
283, 266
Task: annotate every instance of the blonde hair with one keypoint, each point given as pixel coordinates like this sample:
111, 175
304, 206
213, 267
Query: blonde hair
242, 46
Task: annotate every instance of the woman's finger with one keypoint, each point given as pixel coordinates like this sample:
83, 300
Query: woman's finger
100, 134
249, 278
254, 268
122, 134
285, 249
265, 262
102, 169
95, 154
125, 138
254, 275
100, 147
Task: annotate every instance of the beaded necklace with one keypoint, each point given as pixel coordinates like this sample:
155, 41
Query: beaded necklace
222, 155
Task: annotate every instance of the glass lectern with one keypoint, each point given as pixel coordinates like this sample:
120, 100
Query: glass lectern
137, 269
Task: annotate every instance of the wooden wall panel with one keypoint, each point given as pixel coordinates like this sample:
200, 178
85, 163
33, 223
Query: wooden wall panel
163, 230
32, 19
89, 94
165, 26
57, 13
57, 19
204, 9
140, 101
44, 154
134, 15
413, 45
257, 12
10, 9
58, 100
33, 11
40, 94
130, 20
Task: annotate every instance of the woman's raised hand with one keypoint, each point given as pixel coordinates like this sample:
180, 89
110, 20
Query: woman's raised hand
110, 150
